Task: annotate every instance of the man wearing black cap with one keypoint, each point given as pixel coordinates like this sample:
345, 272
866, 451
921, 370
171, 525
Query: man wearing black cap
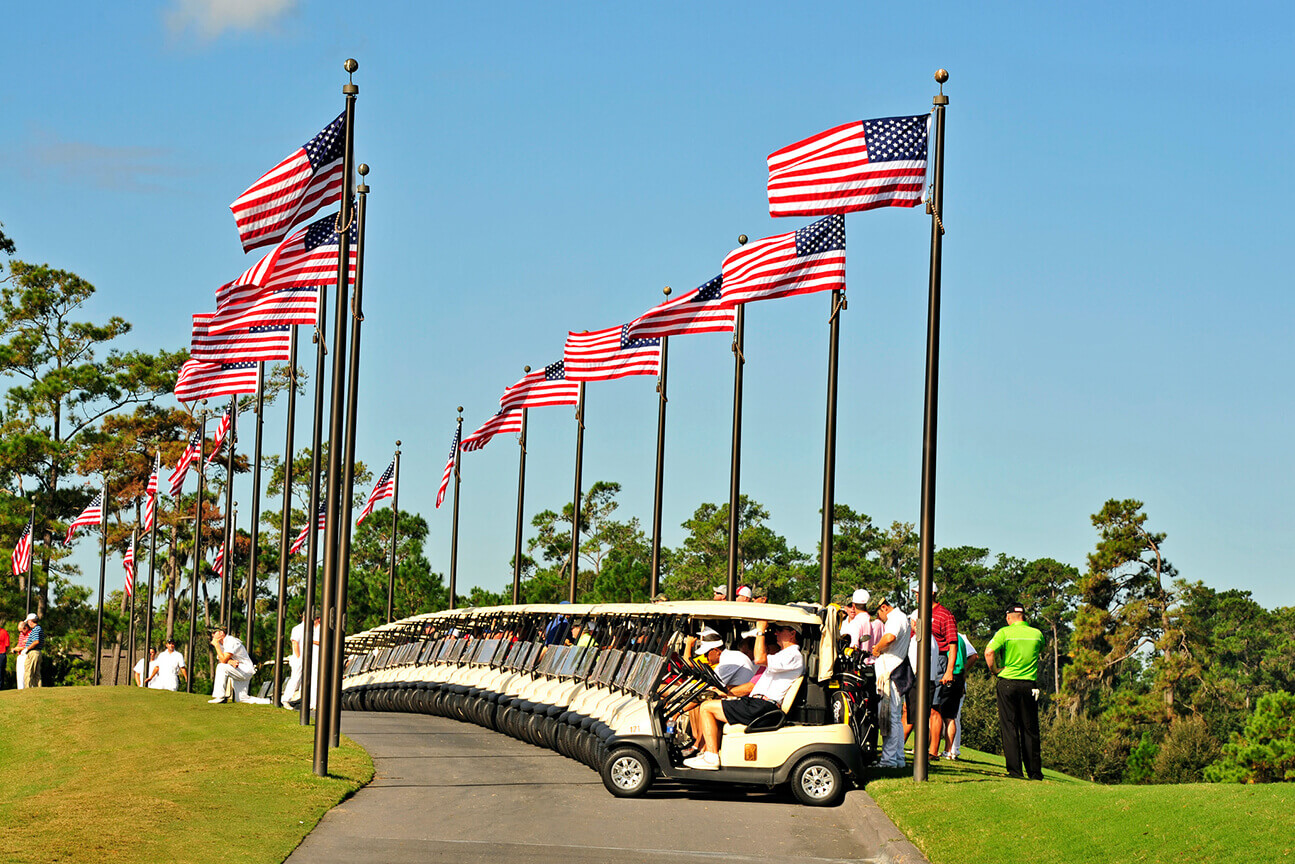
1018, 646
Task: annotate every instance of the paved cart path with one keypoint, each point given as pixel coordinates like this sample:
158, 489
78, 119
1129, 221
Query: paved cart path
450, 791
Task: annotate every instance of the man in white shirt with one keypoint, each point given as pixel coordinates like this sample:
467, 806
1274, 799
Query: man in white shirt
298, 638
782, 670
233, 666
891, 652
142, 678
857, 624
170, 669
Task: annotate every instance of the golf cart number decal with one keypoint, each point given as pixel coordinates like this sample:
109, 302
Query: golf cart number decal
634, 728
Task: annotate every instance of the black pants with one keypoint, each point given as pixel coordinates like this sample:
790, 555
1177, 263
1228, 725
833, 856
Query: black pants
1018, 720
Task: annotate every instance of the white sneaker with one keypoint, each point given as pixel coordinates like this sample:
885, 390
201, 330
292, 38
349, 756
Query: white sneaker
217, 701
703, 762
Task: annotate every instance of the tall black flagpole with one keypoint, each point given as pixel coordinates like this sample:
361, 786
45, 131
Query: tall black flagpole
197, 557
926, 537
654, 582
256, 506
231, 438
130, 604
32, 557
454, 530
152, 557
309, 637
337, 407
575, 501
348, 462
395, 534
829, 455
285, 523
103, 575
521, 498
735, 466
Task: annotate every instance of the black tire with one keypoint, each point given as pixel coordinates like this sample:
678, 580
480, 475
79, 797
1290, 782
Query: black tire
818, 781
627, 772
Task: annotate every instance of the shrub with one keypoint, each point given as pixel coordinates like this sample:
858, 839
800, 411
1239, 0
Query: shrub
1264, 752
1084, 748
1140, 767
1189, 747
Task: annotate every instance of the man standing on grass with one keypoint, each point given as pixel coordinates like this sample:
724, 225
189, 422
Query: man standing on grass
145, 678
891, 653
4, 654
169, 669
32, 651
1018, 707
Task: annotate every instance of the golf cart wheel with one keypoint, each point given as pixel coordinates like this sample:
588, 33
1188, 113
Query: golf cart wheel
818, 782
627, 772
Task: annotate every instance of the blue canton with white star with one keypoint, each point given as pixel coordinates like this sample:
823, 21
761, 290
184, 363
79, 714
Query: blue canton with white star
825, 235
556, 371
710, 291
328, 145
896, 139
268, 328
627, 344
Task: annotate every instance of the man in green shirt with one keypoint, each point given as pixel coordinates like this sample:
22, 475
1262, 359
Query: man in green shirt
1017, 646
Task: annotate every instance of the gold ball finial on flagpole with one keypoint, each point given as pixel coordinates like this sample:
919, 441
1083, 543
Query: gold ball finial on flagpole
941, 75
460, 409
363, 169
741, 239
526, 368
666, 290
397, 442
350, 65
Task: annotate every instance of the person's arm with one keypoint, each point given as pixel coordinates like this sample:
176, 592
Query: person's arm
221, 655
152, 674
947, 677
882, 644
761, 653
296, 648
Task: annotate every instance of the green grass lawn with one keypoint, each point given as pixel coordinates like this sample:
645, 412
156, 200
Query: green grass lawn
972, 813
120, 774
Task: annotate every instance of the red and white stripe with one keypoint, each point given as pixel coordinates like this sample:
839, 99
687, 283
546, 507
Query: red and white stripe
449, 466
255, 344
683, 315
504, 421
222, 429
546, 387
21, 556
383, 489
289, 192
199, 380
150, 497
305, 532
600, 356
128, 564
771, 268
91, 515
191, 453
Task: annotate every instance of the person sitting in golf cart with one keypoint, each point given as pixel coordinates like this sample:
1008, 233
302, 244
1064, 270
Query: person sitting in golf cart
782, 669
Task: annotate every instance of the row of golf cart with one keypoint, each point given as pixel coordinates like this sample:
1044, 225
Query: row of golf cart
607, 685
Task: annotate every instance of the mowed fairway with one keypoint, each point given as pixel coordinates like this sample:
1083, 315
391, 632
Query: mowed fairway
972, 813
118, 774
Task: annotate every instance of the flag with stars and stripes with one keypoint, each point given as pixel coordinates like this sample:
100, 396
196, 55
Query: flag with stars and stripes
546, 387
801, 262
222, 429
128, 564
218, 566
21, 556
150, 496
604, 355
199, 380
191, 453
858, 166
91, 515
293, 190
262, 343
449, 466
701, 310
282, 288
504, 421
384, 488
320, 519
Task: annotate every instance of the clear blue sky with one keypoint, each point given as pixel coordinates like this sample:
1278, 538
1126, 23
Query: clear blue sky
1117, 298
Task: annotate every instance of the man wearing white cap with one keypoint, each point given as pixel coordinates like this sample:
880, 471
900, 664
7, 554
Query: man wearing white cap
858, 624
891, 652
720, 591
32, 651
744, 594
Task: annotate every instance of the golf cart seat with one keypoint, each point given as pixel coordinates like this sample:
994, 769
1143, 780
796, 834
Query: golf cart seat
777, 719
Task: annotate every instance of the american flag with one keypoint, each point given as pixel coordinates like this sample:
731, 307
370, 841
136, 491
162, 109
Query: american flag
802, 262
305, 532
282, 288
264, 342
22, 552
150, 500
548, 386
294, 189
449, 466
504, 421
187, 458
218, 566
384, 488
858, 166
128, 564
222, 429
604, 355
699, 311
91, 515
199, 380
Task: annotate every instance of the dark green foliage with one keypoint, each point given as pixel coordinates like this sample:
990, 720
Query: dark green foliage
1083, 747
980, 714
1264, 752
1187, 750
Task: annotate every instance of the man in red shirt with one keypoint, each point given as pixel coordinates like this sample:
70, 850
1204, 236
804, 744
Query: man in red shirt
944, 627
